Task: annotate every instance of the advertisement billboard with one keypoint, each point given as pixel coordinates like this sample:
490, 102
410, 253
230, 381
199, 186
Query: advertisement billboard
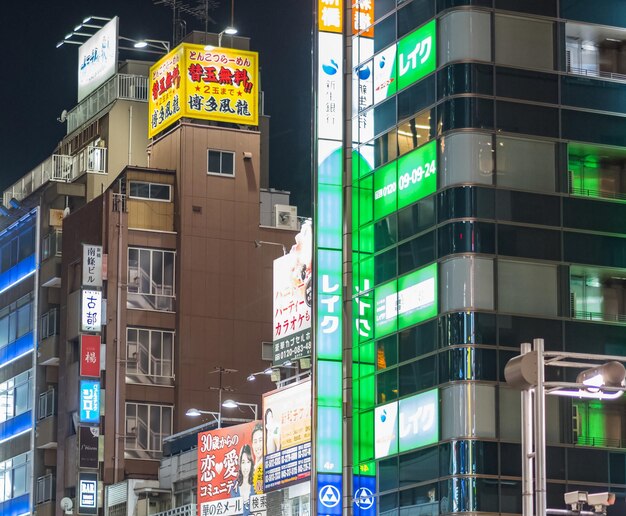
88, 446
91, 311
287, 423
406, 425
90, 355
97, 59
405, 301
417, 54
293, 295
220, 84
230, 471
89, 407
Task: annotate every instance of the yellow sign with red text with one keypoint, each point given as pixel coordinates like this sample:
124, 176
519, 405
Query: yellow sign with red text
219, 84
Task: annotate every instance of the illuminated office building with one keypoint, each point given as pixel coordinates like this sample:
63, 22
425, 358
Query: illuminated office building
470, 185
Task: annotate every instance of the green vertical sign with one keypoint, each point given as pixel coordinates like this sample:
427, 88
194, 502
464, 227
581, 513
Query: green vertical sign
417, 54
417, 174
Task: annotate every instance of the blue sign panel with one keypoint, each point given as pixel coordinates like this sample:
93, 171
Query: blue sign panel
89, 401
328, 495
364, 496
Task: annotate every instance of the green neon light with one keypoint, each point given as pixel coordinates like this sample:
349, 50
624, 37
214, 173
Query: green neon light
417, 296
385, 190
417, 174
417, 54
329, 424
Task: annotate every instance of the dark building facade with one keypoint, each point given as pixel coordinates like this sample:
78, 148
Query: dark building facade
483, 185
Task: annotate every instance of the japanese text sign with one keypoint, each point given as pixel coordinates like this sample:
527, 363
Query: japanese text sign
292, 299
91, 311
89, 401
363, 17
287, 420
230, 471
88, 493
417, 54
90, 355
97, 59
221, 84
330, 15
92, 265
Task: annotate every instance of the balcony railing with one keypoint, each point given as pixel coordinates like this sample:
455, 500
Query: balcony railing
597, 73
598, 316
602, 442
598, 193
52, 244
45, 488
121, 86
61, 168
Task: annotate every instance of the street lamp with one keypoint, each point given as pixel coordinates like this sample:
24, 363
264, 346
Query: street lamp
259, 243
234, 404
252, 376
194, 412
527, 373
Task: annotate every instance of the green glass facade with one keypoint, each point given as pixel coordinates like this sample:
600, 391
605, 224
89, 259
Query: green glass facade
487, 194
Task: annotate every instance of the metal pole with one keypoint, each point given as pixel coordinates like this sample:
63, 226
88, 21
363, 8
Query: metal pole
527, 444
540, 432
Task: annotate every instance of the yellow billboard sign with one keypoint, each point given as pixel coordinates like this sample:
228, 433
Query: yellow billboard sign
219, 84
330, 16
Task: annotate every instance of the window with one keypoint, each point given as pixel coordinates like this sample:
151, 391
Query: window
15, 320
468, 410
49, 324
149, 355
46, 404
15, 396
526, 164
152, 191
524, 42
527, 288
221, 162
146, 426
21, 246
150, 279
14, 477
467, 35
45, 488
185, 492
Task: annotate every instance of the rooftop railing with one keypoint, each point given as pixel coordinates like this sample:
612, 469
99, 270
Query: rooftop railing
597, 73
121, 86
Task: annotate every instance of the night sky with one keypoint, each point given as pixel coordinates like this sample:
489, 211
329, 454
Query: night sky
38, 81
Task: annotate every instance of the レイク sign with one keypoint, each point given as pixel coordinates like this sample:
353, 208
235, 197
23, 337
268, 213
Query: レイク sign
417, 54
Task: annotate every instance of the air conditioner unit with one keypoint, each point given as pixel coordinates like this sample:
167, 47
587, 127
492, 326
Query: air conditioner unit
286, 217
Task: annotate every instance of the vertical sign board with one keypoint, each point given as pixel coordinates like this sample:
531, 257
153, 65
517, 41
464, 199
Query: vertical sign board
87, 493
89, 407
328, 247
91, 311
97, 59
287, 420
230, 471
90, 356
92, 265
292, 299
88, 437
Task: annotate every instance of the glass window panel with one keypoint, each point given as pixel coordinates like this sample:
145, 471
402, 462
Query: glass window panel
524, 242
466, 237
527, 119
468, 410
382, 7
526, 164
138, 189
416, 218
385, 148
417, 376
460, 113
524, 84
385, 232
416, 132
524, 42
467, 35
527, 288
587, 465
385, 266
384, 32
215, 162
417, 341
387, 386
467, 283
467, 328
542, 7
420, 466
228, 163
528, 208
385, 115
413, 14
466, 201
594, 216
609, 12
387, 352
387, 475
466, 158
416, 253
416, 97
160, 192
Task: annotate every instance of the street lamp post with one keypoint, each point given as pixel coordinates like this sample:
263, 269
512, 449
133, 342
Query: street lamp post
194, 412
527, 373
233, 404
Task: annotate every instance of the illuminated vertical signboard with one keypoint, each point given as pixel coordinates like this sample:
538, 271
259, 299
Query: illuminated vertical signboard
91, 311
417, 54
328, 327
89, 401
88, 493
97, 59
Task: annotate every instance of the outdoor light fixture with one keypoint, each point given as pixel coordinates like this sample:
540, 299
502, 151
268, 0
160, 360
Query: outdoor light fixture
194, 412
234, 404
611, 374
259, 243
252, 376
141, 44
231, 31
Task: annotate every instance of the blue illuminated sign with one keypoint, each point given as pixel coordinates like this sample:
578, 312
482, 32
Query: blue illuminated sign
328, 495
89, 401
364, 498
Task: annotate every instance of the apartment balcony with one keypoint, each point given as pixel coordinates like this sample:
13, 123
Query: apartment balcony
46, 434
121, 86
50, 269
48, 352
595, 51
597, 171
60, 168
598, 294
44, 496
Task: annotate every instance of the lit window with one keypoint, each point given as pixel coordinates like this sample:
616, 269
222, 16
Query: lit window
149, 356
150, 279
14, 474
221, 162
152, 191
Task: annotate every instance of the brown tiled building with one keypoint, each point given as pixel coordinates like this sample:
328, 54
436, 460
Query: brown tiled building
187, 293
